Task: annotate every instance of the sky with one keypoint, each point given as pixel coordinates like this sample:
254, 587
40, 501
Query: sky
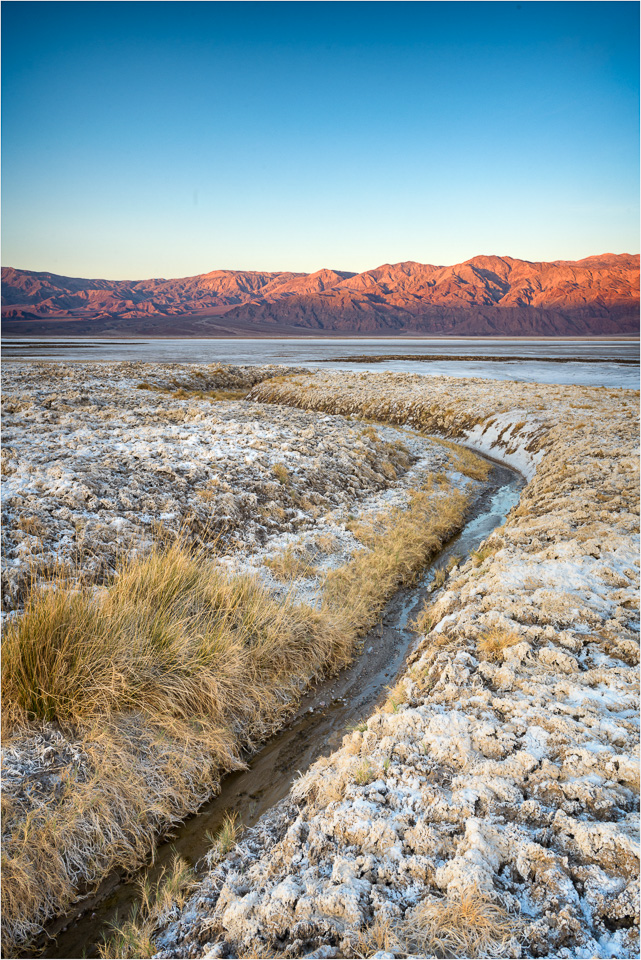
168, 139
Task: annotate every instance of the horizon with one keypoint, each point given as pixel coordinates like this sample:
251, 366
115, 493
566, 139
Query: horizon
284, 270
151, 139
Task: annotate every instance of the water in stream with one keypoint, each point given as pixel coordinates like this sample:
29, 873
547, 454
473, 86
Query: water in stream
322, 720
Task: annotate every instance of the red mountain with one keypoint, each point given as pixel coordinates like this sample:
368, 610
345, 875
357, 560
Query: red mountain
483, 296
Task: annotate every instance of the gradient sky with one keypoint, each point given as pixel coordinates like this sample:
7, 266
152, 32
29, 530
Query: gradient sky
169, 139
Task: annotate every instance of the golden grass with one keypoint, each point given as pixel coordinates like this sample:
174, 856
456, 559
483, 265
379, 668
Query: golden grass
281, 473
472, 926
163, 678
379, 936
290, 564
483, 553
396, 696
465, 461
224, 839
492, 644
133, 938
327, 543
364, 773
31, 525
400, 544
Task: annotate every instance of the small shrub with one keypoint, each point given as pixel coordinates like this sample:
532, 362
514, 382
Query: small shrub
281, 473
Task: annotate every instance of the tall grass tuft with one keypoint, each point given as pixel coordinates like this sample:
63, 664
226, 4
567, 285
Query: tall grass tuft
133, 938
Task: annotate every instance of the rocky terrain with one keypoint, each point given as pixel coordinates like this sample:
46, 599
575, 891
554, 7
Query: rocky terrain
487, 295
497, 788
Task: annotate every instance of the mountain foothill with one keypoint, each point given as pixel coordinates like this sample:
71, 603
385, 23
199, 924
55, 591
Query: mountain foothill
484, 296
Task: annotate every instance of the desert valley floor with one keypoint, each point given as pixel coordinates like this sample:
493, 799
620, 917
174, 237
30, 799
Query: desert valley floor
488, 806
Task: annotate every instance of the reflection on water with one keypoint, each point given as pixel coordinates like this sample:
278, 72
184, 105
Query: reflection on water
614, 367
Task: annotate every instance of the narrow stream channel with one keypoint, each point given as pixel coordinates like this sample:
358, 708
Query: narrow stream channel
317, 729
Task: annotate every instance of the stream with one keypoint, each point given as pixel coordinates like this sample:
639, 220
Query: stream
325, 714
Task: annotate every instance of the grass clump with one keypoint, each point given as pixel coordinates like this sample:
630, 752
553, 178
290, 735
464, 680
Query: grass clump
397, 695
492, 644
364, 773
472, 926
464, 461
133, 938
482, 554
164, 677
224, 839
31, 525
174, 636
281, 473
290, 564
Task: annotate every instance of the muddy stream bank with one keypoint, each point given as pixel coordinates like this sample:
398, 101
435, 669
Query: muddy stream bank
323, 718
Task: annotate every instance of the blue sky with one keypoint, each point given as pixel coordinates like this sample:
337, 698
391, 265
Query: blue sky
169, 139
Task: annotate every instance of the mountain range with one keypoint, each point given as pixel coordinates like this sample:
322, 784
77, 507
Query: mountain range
484, 296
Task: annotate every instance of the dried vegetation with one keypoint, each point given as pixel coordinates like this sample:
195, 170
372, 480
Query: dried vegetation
168, 674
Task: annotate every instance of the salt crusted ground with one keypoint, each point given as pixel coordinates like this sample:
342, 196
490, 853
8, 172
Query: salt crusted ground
511, 770
97, 457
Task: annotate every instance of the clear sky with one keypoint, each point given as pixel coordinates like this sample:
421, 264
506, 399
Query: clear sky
169, 139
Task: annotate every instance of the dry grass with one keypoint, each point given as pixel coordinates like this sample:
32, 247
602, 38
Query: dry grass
164, 677
465, 461
400, 544
290, 564
176, 667
327, 543
224, 839
482, 554
364, 773
425, 620
31, 525
396, 696
133, 938
473, 926
492, 644
440, 576
379, 936
281, 473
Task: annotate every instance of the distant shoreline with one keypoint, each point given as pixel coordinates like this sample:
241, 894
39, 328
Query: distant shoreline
46, 340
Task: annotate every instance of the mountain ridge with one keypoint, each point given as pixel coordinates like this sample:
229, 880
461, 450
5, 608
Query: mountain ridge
486, 295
